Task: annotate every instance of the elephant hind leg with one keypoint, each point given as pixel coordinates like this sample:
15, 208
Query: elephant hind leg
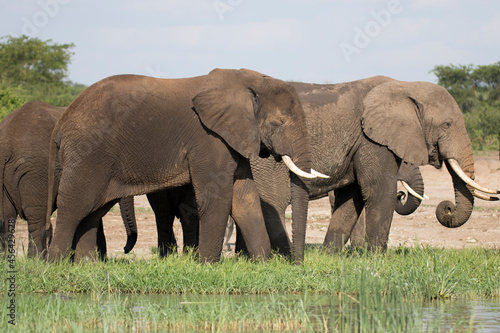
9, 216
187, 212
86, 243
35, 217
347, 207
163, 207
79, 206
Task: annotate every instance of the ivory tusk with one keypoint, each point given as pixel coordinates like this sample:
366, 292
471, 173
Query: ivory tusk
318, 174
295, 169
458, 170
485, 197
412, 191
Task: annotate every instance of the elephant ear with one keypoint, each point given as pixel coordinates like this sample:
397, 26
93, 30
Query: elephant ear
226, 105
394, 118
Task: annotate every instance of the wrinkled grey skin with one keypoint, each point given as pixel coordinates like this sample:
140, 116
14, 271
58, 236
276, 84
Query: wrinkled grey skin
159, 134
406, 202
360, 132
24, 152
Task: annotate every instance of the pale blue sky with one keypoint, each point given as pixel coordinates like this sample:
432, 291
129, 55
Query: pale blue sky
313, 41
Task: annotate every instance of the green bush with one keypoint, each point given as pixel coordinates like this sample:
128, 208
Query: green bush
34, 70
477, 92
9, 101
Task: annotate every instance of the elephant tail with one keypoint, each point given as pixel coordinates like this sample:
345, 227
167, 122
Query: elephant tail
128, 217
53, 185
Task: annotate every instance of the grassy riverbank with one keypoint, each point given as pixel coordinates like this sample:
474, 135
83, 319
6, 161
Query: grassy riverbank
50, 295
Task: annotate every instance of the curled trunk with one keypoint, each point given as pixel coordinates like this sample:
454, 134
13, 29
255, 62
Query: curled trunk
454, 216
410, 174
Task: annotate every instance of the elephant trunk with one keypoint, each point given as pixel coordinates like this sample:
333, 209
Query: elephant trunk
411, 175
294, 143
299, 200
452, 216
299, 192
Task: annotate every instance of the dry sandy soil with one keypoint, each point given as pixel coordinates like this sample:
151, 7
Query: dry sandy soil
482, 229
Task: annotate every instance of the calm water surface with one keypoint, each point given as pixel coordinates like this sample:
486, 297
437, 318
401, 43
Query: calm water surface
322, 310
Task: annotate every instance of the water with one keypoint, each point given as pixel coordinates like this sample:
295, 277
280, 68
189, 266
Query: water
484, 314
307, 312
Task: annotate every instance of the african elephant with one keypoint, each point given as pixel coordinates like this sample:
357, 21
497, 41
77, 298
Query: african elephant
177, 202
128, 135
24, 153
406, 203
360, 132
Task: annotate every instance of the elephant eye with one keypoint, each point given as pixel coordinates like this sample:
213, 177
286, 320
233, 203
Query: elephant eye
279, 121
446, 125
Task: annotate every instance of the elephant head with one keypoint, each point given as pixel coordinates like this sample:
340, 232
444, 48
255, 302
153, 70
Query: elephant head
267, 114
422, 124
269, 120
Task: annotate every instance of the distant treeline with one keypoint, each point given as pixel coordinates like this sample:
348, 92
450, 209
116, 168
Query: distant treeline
34, 70
31, 69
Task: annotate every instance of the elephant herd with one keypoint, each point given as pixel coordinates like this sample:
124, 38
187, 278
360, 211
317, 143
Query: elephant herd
231, 143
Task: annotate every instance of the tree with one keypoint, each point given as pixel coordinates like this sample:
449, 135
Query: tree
25, 60
458, 80
477, 92
487, 76
451, 76
9, 101
35, 70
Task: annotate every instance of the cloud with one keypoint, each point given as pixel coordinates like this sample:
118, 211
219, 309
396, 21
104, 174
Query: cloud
250, 36
171, 8
489, 31
427, 4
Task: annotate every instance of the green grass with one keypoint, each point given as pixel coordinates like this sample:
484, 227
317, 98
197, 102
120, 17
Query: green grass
345, 291
426, 273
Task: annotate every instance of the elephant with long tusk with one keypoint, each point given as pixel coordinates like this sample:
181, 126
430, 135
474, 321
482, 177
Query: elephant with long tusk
128, 135
360, 133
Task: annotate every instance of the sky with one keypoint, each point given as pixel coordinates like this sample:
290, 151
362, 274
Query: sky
320, 41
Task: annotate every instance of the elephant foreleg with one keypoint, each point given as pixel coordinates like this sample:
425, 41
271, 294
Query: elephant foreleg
247, 214
347, 207
379, 213
214, 193
359, 231
378, 182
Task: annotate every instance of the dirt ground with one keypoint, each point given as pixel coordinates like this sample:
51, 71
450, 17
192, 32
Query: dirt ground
482, 229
